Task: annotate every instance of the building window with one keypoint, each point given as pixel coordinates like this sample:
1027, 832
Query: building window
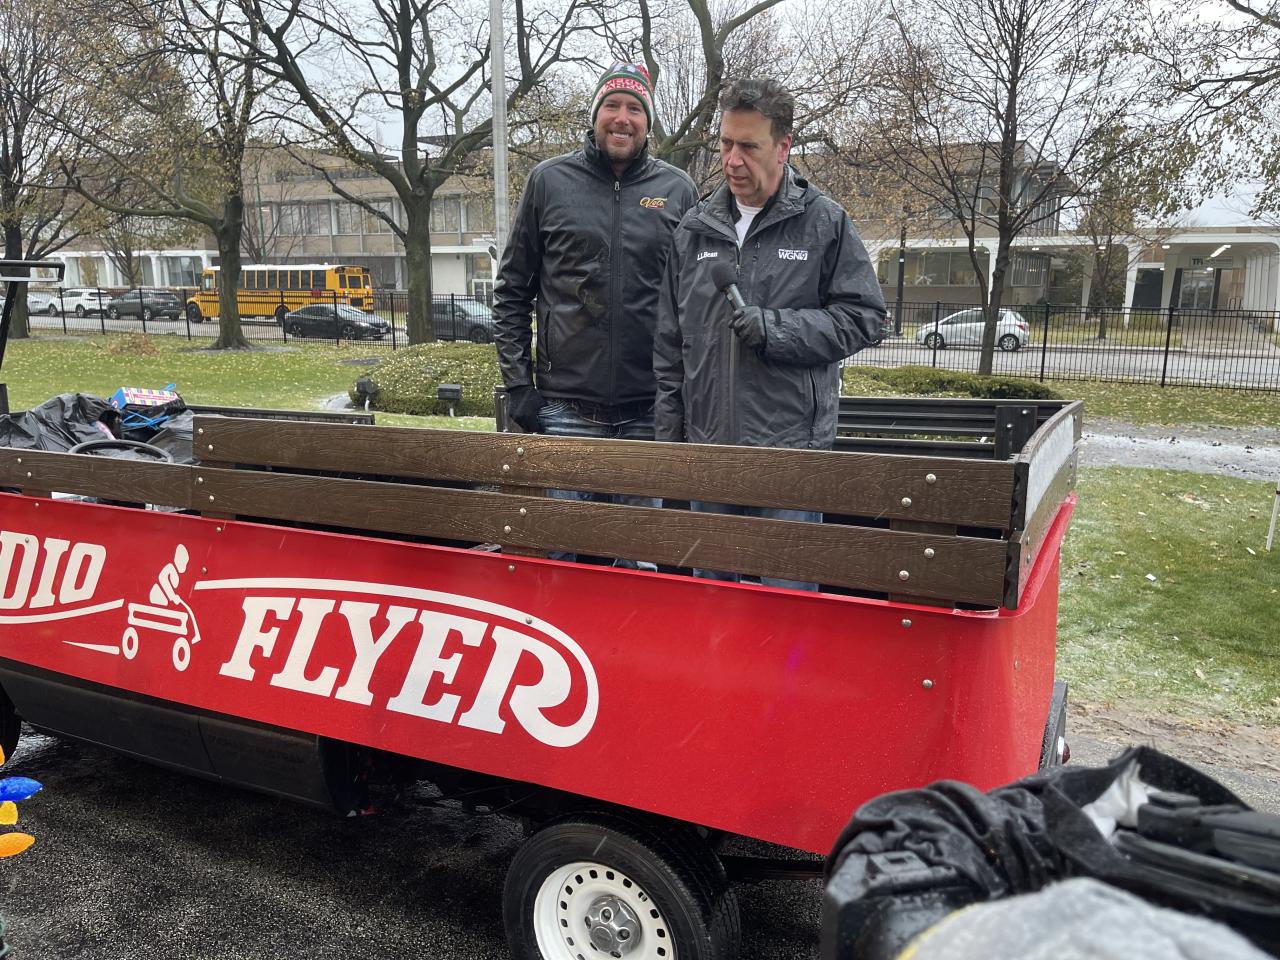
1028, 269
375, 224
446, 215
349, 217
291, 220
479, 214
318, 223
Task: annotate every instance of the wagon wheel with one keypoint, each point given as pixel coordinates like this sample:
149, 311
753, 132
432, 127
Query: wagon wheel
601, 886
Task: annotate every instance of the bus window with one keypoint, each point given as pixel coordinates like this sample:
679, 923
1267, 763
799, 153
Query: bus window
240, 281
209, 281
295, 280
318, 280
273, 278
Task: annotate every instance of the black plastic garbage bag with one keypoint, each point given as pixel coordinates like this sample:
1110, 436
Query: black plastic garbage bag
59, 424
907, 859
175, 437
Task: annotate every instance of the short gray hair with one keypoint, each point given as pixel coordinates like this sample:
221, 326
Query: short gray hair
767, 97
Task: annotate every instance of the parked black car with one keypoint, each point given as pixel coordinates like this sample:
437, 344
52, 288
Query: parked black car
333, 321
462, 318
148, 304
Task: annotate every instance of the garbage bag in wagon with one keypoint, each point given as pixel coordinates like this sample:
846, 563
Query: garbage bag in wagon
59, 424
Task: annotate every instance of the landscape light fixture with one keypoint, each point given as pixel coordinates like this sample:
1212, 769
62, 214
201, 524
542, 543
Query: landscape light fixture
1225, 246
450, 393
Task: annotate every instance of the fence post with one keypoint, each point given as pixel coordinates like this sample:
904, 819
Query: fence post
142, 311
62, 302
937, 315
391, 300
1044, 347
186, 312
102, 316
453, 316
1168, 339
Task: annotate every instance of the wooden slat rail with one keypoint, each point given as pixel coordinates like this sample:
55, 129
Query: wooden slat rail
951, 417
974, 493
970, 569
967, 569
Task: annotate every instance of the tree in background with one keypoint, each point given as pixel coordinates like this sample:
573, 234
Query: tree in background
179, 100
419, 67
123, 235
37, 214
1000, 113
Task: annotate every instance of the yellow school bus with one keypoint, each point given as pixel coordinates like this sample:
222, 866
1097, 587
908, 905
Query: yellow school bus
272, 290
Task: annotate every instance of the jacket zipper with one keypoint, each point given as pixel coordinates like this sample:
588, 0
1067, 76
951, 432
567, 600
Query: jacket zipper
615, 291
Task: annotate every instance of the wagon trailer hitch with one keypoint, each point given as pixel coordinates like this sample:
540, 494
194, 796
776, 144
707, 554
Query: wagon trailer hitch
15, 273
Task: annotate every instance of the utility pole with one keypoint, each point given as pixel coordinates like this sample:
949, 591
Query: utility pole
498, 82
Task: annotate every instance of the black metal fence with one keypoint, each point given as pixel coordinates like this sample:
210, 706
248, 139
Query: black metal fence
1176, 346
335, 315
1237, 349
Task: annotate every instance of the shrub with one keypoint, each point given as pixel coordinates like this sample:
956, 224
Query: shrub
930, 381
407, 380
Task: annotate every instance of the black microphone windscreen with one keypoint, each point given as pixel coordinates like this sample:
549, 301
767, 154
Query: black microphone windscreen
723, 276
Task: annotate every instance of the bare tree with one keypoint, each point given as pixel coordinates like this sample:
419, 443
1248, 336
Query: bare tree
1000, 111
37, 214
187, 90
421, 68
124, 236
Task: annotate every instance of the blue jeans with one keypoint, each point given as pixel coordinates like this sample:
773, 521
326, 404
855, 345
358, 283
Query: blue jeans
560, 418
769, 513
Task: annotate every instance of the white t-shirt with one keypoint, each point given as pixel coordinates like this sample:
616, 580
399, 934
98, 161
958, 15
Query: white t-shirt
747, 215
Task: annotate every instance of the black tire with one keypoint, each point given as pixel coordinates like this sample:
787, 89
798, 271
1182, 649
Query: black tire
686, 901
147, 315
10, 726
280, 313
1009, 343
478, 335
193, 313
348, 332
113, 313
934, 341
80, 311
52, 310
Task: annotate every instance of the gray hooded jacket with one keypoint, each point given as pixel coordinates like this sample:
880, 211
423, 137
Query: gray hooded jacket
803, 261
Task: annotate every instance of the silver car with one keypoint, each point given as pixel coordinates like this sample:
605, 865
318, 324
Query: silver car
965, 327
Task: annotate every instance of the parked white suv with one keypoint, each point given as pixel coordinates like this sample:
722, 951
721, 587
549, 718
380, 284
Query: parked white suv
84, 301
1012, 331
39, 301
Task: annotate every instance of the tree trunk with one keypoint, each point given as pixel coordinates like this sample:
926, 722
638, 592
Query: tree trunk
417, 254
230, 336
995, 300
19, 327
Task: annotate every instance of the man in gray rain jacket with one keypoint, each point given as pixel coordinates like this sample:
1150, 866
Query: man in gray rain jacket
766, 375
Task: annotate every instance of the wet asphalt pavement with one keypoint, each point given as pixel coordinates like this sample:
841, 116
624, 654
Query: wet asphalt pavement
133, 862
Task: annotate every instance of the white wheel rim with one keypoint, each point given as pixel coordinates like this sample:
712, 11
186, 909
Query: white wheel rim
571, 897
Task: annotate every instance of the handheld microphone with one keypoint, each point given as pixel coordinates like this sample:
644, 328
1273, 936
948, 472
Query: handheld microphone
726, 281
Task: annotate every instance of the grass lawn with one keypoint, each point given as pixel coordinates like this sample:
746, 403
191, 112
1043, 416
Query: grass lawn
1168, 598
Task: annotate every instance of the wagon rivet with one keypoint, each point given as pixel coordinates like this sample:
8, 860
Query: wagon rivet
219, 530
928, 684
199, 479
511, 568
210, 447
906, 501
906, 623
211, 498
204, 569
506, 468
928, 552
523, 512
28, 474
930, 478
506, 529
200, 431
904, 575
519, 451
1015, 664
19, 459
528, 620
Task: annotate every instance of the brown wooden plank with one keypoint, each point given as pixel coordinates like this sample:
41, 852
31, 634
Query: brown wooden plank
963, 568
1025, 545
108, 478
941, 489
915, 526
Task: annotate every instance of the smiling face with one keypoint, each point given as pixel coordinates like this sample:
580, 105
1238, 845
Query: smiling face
751, 160
621, 126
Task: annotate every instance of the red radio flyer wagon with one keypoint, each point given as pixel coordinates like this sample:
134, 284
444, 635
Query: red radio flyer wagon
324, 605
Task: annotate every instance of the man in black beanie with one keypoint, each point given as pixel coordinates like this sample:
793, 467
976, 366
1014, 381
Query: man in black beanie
588, 247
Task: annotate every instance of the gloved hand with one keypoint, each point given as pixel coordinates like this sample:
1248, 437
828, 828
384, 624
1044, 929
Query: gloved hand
523, 404
748, 325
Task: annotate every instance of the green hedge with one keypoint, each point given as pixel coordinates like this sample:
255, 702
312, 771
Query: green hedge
930, 381
407, 380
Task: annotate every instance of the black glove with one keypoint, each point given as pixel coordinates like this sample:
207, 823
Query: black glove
523, 404
748, 325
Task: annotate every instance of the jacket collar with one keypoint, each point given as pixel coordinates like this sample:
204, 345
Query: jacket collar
787, 200
599, 160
